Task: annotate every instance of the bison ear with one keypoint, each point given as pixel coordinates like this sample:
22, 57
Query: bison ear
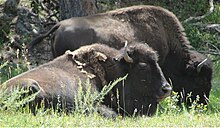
100, 56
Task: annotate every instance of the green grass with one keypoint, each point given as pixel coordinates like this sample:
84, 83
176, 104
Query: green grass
184, 119
213, 17
168, 115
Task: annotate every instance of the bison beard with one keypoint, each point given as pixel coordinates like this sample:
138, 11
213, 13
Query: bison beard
143, 88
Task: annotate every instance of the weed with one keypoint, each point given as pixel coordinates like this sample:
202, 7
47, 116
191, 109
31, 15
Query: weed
17, 98
169, 105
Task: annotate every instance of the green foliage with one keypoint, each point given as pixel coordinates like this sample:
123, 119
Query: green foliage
3, 77
168, 115
201, 40
10, 69
17, 98
2, 1
169, 105
201, 37
214, 104
213, 17
86, 100
183, 9
189, 8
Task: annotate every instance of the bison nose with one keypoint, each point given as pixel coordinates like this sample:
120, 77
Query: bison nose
166, 88
165, 91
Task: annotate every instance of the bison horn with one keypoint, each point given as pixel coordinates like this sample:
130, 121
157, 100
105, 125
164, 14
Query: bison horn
126, 56
200, 65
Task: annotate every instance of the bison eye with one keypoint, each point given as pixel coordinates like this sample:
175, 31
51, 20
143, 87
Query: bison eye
142, 65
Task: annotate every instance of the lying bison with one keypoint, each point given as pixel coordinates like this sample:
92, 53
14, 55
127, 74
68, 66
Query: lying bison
188, 70
143, 88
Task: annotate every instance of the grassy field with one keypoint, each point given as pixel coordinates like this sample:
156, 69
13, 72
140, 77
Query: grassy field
168, 115
180, 120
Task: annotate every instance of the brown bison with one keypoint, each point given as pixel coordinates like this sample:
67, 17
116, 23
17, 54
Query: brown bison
188, 70
143, 88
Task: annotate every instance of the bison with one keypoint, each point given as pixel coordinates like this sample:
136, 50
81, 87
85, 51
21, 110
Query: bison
144, 87
189, 71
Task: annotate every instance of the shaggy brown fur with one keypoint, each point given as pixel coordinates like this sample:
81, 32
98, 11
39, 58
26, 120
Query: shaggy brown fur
101, 64
156, 26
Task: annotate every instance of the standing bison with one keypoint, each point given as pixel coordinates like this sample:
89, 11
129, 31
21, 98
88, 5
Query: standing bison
144, 87
189, 71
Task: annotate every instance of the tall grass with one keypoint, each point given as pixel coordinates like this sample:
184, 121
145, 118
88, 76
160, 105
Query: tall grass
11, 67
168, 113
87, 101
15, 100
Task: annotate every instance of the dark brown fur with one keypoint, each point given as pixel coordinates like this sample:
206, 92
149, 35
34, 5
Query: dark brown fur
143, 88
156, 26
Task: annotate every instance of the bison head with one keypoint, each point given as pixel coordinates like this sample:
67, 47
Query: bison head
145, 85
197, 80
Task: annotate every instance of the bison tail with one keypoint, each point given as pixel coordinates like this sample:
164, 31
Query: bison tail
41, 37
35, 41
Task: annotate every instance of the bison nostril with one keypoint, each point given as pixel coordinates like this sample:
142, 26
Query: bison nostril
166, 88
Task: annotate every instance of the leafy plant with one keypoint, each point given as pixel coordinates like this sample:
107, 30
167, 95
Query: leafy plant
86, 101
14, 99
